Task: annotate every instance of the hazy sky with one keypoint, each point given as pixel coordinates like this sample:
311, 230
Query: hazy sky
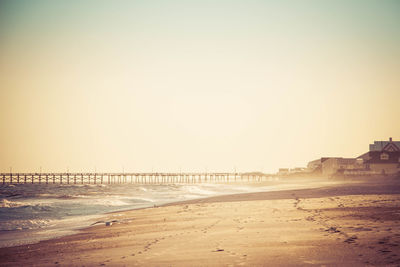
195, 85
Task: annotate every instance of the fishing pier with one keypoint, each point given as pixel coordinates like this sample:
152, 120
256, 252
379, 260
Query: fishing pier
130, 178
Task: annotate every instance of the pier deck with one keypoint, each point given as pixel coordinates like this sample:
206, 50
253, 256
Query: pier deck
124, 178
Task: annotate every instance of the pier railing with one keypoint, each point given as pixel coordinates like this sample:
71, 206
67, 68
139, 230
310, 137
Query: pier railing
125, 178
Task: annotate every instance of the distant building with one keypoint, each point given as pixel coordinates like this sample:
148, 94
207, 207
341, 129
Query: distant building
383, 157
340, 165
316, 165
334, 165
297, 169
283, 171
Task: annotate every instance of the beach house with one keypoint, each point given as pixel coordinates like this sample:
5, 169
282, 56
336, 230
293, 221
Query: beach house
383, 157
339, 165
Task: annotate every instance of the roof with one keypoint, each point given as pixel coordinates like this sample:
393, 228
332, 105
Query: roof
392, 147
385, 145
364, 156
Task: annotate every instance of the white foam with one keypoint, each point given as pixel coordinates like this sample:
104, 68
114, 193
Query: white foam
53, 229
24, 224
4, 203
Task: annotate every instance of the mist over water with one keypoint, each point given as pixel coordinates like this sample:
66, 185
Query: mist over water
34, 212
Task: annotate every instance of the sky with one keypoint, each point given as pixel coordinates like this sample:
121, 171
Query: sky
184, 85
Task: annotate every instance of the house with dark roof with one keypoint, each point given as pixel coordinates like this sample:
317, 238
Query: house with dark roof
383, 158
384, 161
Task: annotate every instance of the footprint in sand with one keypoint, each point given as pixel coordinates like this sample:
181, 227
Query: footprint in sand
332, 230
351, 240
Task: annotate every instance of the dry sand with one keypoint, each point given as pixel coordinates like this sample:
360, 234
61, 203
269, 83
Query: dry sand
350, 225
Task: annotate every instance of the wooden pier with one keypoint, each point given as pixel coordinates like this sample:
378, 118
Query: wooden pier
130, 178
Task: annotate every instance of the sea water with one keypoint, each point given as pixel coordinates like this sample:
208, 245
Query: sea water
33, 212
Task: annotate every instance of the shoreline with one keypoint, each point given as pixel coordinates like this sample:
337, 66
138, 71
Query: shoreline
39, 235
29, 237
281, 200
346, 187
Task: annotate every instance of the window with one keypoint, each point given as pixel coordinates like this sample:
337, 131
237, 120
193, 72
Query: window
384, 156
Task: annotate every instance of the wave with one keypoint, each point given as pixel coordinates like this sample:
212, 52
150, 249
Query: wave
198, 190
13, 225
4, 203
18, 209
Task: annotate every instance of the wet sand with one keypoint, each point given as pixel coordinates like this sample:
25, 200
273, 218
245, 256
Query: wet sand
342, 225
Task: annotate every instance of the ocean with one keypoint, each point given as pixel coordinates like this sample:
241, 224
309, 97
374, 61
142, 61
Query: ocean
33, 212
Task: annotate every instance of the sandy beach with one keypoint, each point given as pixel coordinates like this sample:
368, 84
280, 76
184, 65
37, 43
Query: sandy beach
343, 225
199, 133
